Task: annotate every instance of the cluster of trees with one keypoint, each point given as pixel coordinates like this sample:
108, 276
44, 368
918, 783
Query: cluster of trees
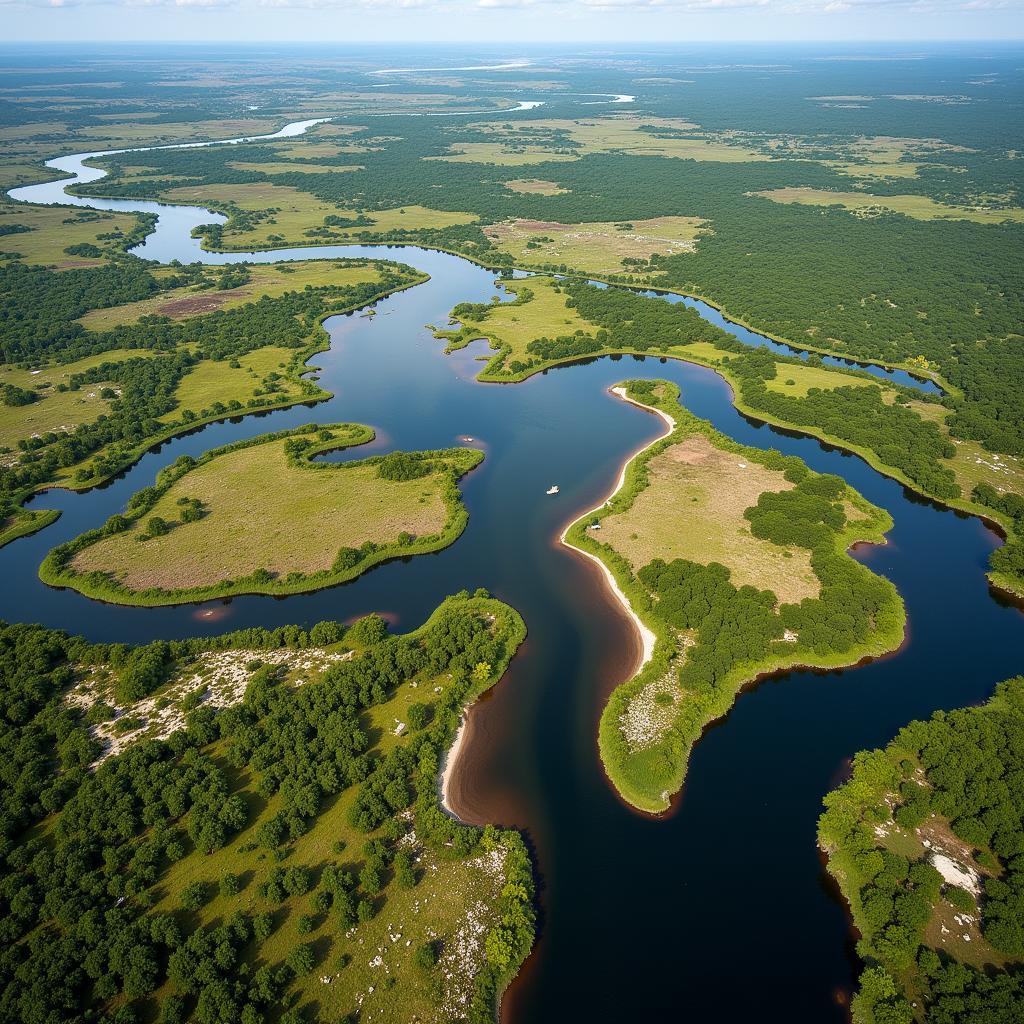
76, 901
861, 417
961, 767
13, 396
405, 466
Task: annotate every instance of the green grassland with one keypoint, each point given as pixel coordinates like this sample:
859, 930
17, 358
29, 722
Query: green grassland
600, 248
798, 380
268, 519
53, 230
265, 215
652, 721
535, 187
315, 891
554, 140
219, 381
692, 507
285, 167
538, 309
54, 410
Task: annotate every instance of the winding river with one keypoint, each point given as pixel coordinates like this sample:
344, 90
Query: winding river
721, 908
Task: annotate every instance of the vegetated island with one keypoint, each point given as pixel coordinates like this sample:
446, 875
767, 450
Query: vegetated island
735, 562
926, 841
97, 366
908, 435
260, 516
247, 827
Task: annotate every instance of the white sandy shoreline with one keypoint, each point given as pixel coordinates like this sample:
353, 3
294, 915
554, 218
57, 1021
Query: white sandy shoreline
647, 637
449, 766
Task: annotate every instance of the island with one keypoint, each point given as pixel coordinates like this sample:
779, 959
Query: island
262, 516
733, 562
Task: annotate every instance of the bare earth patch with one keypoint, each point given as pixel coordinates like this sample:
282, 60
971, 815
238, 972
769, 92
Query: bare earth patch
218, 677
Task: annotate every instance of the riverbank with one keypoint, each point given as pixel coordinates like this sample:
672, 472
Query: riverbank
648, 639
647, 772
449, 766
117, 462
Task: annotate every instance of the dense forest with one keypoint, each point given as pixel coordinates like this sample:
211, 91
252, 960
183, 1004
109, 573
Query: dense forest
944, 791
86, 853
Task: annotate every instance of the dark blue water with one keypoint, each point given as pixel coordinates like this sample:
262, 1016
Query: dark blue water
721, 908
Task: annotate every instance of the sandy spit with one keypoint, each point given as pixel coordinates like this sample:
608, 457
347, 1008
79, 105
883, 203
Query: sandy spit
449, 767
647, 638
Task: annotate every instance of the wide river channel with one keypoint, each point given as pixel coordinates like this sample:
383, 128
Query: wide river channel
720, 909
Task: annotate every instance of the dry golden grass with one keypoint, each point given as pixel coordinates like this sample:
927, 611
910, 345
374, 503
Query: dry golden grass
535, 187
598, 247
263, 512
693, 509
918, 207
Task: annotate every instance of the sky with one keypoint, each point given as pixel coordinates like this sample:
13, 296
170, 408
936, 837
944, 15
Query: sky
507, 21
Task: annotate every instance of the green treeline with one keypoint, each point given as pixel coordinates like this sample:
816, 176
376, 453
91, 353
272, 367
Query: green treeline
886, 287
858, 415
81, 938
1009, 558
960, 770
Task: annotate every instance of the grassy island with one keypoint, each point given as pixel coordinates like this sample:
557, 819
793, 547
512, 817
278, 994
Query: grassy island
261, 516
248, 828
925, 841
734, 562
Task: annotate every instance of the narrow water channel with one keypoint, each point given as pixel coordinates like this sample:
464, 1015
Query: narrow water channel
720, 908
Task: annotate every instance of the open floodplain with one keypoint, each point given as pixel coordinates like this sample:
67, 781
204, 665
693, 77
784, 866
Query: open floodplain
721, 904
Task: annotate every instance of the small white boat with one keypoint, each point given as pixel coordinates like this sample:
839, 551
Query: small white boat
552, 490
